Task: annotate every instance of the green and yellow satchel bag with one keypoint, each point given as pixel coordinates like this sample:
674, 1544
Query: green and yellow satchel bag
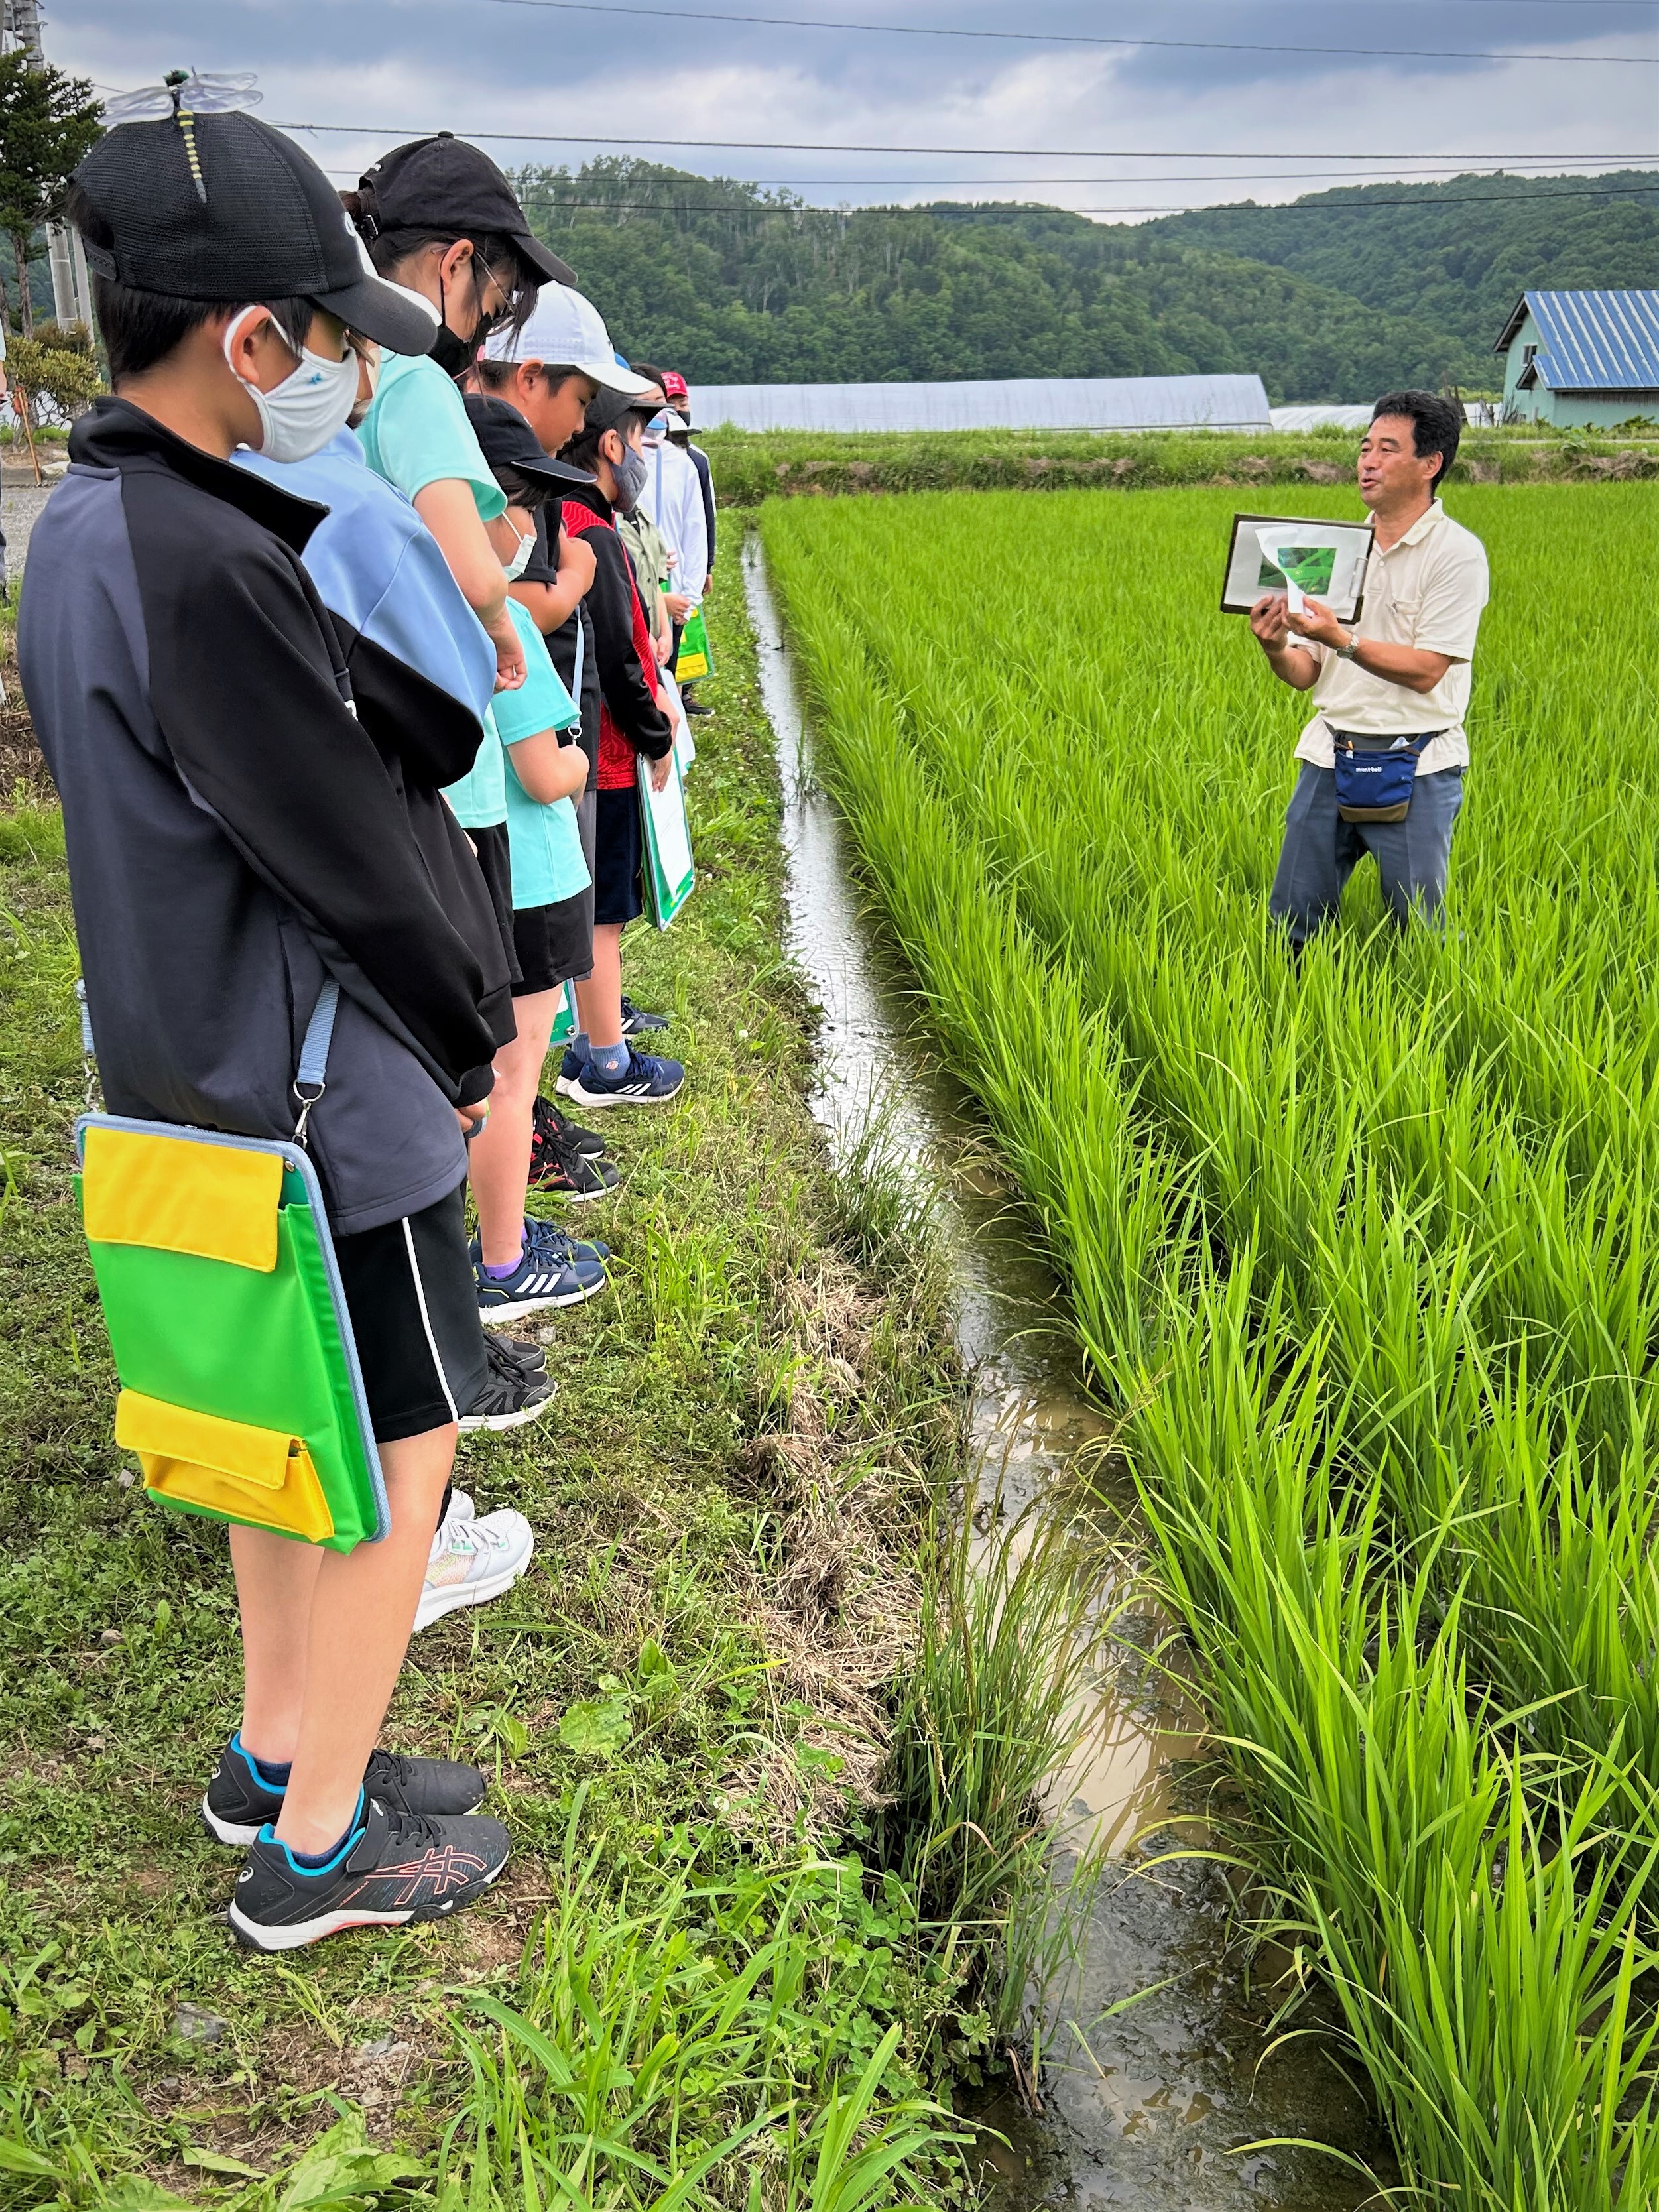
241, 1391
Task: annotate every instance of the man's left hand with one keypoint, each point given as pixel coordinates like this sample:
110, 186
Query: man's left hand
1318, 623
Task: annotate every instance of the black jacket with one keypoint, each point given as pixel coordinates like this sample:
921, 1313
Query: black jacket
706, 486
235, 829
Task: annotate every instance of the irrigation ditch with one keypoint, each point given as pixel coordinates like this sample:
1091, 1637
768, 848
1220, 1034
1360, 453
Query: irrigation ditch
1159, 2079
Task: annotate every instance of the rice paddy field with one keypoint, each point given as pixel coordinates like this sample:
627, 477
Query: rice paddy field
1364, 1254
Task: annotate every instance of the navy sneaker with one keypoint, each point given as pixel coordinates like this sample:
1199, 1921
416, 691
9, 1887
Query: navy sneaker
395, 1867
240, 1802
561, 1250
556, 1128
541, 1278
646, 1081
634, 1020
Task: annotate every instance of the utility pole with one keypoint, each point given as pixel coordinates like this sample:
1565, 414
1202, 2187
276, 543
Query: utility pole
72, 292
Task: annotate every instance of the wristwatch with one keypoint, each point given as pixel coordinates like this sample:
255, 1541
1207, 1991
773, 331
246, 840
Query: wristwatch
1350, 651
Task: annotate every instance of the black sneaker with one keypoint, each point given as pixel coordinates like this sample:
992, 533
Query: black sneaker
397, 1866
513, 1394
560, 1168
695, 706
239, 1804
526, 1355
633, 1021
553, 1128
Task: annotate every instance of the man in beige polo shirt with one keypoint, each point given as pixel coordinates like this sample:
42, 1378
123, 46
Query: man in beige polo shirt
1397, 682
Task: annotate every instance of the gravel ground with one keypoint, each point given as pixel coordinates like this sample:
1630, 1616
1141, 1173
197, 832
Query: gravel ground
21, 507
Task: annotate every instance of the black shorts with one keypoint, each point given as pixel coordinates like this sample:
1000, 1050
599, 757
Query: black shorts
414, 1308
619, 849
554, 943
496, 863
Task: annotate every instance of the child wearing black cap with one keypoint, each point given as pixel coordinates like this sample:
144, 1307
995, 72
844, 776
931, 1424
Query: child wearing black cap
439, 217
237, 836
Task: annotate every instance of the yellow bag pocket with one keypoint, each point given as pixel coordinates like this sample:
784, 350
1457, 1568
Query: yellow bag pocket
262, 1476
176, 1195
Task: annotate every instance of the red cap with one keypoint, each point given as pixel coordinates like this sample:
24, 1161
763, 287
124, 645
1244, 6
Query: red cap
673, 384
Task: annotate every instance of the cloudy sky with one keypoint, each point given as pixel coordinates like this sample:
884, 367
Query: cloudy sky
1225, 122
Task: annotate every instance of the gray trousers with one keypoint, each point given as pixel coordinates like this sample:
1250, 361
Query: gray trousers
1321, 851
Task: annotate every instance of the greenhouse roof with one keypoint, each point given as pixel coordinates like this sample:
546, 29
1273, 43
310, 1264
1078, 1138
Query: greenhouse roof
1032, 403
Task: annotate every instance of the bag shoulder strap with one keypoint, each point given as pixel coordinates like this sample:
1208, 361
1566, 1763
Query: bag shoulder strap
311, 1081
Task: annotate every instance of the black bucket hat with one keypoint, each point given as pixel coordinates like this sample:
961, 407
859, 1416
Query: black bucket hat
228, 209
508, 442
445, 184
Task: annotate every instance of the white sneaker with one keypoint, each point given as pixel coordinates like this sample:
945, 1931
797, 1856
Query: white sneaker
461, 1507
473, 1561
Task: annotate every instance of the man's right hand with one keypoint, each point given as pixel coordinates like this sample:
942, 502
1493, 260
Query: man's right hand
1270, 623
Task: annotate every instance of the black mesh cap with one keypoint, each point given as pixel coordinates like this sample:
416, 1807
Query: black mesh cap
444, 183
265, 223
609, 410
508, 442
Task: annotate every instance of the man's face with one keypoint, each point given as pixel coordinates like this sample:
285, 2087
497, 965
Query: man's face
555, 408
1391, 471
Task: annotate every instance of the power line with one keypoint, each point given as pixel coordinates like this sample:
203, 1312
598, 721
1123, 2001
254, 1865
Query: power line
1390, 175
862, 146
1065, 37
990, 208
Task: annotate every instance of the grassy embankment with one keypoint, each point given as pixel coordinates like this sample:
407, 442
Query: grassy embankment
751, 467
1363, 1251
686, 1707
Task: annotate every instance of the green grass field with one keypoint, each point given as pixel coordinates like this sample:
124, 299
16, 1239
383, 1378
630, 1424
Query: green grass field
1364, 1253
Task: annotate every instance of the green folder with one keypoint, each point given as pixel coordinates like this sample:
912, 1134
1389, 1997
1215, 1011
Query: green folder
669, 874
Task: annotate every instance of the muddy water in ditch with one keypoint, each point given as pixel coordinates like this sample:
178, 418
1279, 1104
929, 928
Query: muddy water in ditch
1145, 2106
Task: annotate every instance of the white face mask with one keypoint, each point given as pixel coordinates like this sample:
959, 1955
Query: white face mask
299, 416
520, 560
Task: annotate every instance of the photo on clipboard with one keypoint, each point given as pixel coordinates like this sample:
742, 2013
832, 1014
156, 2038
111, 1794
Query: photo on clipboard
1305, 557
669, 874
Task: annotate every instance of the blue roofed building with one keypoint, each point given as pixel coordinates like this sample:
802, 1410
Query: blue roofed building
1583, 359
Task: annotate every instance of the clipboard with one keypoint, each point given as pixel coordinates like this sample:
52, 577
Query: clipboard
669, 873
1333, 567
566, 1022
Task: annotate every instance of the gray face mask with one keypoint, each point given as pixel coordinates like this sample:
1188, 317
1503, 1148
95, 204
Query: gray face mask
632, 477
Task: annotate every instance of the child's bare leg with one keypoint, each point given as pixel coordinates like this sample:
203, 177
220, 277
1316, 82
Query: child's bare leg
498, 1162
357, 1631
599, 998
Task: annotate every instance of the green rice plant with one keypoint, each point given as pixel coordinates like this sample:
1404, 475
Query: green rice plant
1360, 1250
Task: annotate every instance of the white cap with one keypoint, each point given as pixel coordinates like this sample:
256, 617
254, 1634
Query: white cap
568, 331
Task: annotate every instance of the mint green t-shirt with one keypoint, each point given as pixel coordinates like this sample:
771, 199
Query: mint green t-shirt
416, 434
543, 838
478, 801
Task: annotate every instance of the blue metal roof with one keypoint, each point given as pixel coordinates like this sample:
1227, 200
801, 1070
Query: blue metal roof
1597, 341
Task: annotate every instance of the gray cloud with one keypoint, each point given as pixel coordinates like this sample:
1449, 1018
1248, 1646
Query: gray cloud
472, 65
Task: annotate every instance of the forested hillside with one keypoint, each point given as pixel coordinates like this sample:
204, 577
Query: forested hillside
1327, 300
1461, 255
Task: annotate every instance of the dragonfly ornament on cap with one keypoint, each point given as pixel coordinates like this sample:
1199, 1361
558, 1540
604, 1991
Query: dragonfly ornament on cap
184, 95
